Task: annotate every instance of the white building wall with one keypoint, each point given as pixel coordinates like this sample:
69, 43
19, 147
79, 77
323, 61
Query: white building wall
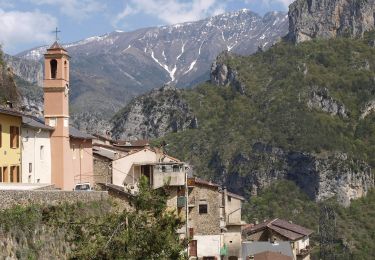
122, 168
208, 245
36, 151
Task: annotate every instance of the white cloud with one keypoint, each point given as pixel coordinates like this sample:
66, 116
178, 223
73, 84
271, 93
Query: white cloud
26, 28
78, 9
172, 11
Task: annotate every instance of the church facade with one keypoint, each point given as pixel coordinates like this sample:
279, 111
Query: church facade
71, 150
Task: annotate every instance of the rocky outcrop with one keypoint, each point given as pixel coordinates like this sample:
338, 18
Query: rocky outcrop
321, 177
224, 75
154, 115
28, 70
368, 109
8, 88
321, 100
326, 19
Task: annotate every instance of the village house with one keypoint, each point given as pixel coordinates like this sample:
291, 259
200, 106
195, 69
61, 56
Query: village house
36, 151
281, 230
71, 150
10, 146
106, 150
214, 221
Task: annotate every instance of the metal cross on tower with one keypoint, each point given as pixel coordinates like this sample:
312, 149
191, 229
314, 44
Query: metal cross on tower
56, 32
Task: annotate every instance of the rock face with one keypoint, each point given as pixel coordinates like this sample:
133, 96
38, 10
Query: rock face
8, 88
310, 19
368, 109
153, 115
321, 100
334, 175
29, 70
223, 75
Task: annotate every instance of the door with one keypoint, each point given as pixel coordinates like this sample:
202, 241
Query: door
193, 248
14, 174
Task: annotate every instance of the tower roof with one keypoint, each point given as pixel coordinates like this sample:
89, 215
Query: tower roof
56, 45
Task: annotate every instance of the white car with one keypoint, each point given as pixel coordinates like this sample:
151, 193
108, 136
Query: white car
83, 187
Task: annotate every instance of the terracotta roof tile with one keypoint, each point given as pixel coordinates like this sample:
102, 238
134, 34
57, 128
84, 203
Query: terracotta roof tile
289, 230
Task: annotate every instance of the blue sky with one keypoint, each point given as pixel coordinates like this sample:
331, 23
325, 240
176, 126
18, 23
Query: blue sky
25, 24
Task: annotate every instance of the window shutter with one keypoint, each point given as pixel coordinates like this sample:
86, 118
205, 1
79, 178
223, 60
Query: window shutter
11, 137
1, 134
17, 134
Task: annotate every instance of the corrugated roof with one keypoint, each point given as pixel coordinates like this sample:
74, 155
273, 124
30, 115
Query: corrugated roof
231, 194
35, 123
107, 153
253, 248
289, 230
271, 256
75, 133
137, 143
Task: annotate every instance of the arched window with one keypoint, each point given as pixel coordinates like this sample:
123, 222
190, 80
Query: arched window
53, 68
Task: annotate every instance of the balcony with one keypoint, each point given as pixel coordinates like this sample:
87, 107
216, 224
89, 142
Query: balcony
170, 175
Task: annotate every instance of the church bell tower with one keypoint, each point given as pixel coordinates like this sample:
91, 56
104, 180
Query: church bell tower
56, 113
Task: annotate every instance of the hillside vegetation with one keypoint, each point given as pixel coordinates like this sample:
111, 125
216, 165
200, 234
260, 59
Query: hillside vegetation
307, 97
355, 235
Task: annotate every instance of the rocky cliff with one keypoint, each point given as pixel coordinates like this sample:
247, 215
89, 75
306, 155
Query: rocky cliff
310, 19
8, 88
320, 176
28, 70
153, 115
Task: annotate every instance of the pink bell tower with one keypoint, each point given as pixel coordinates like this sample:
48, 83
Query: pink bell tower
56, 114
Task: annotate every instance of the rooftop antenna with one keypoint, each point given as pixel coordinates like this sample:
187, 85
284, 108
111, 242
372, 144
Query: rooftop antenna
56, 32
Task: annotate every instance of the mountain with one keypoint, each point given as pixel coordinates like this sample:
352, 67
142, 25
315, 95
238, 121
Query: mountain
153, 115
108, 71
303, 112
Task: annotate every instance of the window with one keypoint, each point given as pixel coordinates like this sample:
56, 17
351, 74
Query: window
66, 122
41, 152
1, 174
53, 64
14, 137
1, 133
52, 121
74, 151
30, 167
229, 198
203, 207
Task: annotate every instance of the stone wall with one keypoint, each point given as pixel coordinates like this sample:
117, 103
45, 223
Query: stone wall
102, 171
11, 198
205, 224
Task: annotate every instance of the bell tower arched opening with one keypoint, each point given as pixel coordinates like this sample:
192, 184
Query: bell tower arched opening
53, 64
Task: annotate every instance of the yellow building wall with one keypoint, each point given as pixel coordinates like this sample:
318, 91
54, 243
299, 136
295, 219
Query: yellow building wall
9, 156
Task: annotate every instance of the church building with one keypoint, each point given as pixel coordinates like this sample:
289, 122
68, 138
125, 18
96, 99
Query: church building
71, 150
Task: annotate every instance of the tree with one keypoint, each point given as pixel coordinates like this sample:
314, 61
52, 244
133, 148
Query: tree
149, 232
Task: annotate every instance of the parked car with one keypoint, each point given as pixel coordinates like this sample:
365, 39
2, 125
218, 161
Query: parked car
83, 187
